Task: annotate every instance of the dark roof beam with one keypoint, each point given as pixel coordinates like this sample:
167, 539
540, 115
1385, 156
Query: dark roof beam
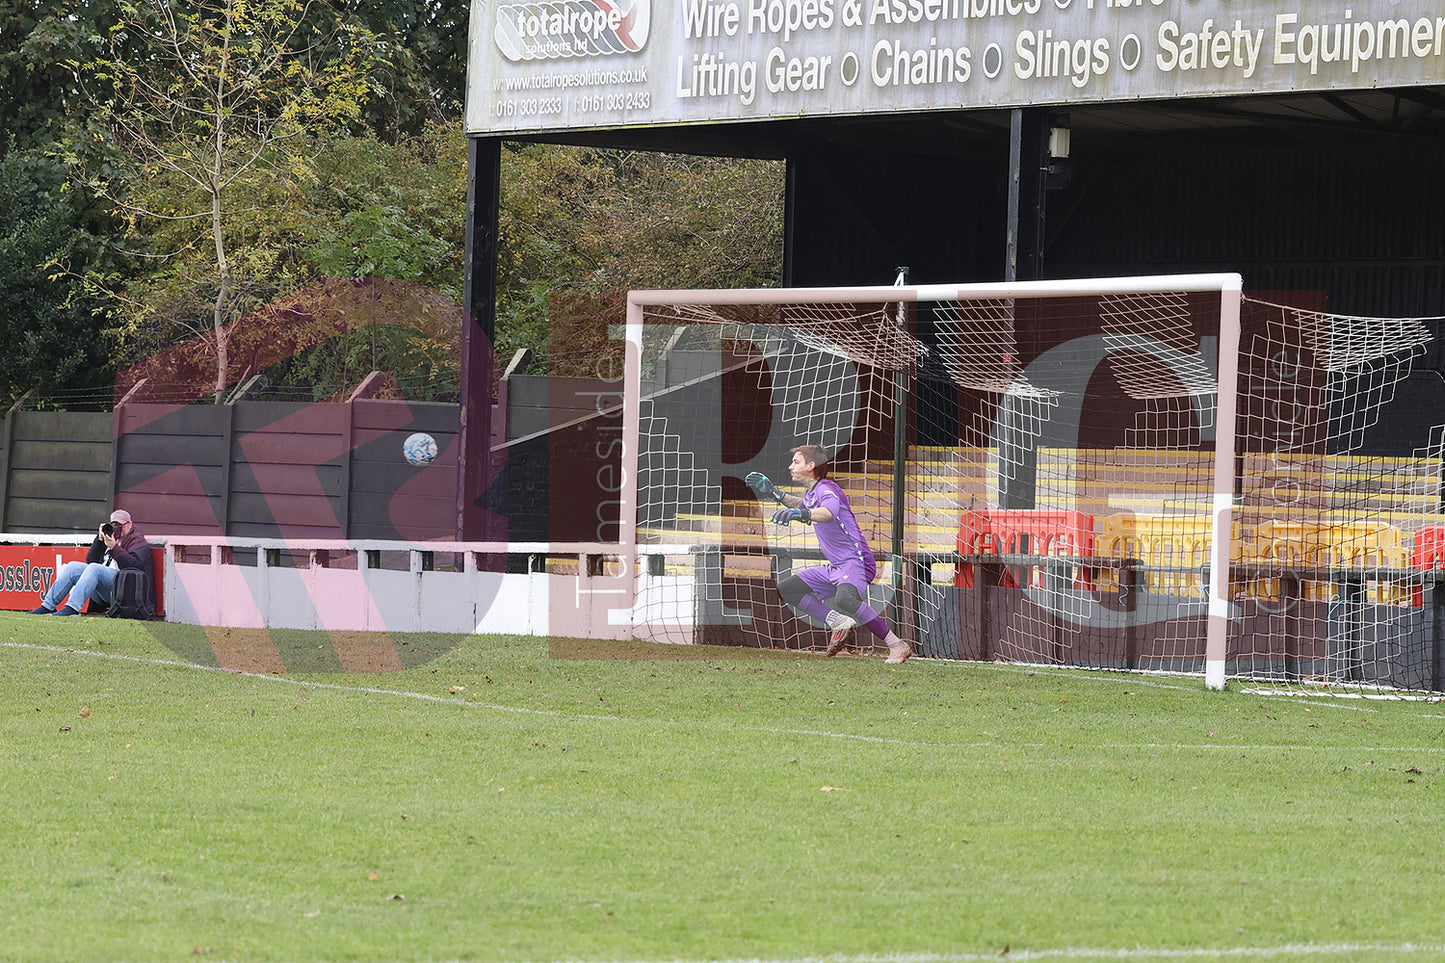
1349, 110
1427, 97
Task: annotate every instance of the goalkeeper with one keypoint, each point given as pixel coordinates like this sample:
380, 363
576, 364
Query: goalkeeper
834, 594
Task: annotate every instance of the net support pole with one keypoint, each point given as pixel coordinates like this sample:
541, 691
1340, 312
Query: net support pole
627, 511
1222, 541
900, 463
900, 454
900, 482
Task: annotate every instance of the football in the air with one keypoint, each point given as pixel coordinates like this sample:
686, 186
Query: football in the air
419, 449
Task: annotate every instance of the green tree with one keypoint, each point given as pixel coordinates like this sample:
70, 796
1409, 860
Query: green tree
46, 320
40, 41
387, 211
390, 210
420, 74
684, 221
367, 210
546, 190
43, 118
578, 226
222, 109
418, 47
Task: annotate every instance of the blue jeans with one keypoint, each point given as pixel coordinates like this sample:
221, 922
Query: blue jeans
79, 581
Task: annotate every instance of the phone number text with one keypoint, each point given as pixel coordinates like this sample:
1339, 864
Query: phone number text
529, 107
592, 103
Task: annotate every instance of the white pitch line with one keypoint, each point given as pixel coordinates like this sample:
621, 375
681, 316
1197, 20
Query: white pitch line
770, 730
454, 702
1085, 953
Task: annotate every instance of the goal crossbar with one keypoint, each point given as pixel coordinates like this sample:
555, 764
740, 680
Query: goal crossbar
1142, 284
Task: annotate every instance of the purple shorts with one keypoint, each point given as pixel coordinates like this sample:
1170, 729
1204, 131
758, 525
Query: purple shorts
824, 580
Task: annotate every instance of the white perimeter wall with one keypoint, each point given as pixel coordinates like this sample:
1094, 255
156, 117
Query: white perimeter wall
202, 588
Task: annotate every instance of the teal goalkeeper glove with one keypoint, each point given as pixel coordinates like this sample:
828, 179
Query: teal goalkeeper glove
786, 516
763, 485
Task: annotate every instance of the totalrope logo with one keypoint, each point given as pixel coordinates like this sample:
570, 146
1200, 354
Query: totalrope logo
571, 28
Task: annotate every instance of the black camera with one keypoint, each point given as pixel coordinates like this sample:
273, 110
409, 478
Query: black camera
108, 528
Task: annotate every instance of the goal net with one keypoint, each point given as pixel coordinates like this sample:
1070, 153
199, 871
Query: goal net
1045, 474
1338, 491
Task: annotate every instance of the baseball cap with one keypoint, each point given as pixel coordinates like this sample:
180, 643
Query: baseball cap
120, 516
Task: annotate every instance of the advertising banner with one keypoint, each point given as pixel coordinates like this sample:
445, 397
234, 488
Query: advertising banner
26, 571
541, 65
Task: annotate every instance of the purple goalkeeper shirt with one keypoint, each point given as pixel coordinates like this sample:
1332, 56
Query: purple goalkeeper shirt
841, 539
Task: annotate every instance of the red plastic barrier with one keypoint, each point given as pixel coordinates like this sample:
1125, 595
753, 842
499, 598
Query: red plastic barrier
1427, 552
1026, 531
972, 540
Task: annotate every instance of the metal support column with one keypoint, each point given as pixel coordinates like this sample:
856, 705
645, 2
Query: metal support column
481, 495
1027, 187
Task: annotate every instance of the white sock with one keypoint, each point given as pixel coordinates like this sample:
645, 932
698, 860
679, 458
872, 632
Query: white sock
837, 620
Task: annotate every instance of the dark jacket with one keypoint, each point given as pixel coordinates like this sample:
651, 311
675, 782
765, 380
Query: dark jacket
131, 551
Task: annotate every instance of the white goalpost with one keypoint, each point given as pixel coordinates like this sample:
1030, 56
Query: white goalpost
1140, 473
1226, 388
832, 359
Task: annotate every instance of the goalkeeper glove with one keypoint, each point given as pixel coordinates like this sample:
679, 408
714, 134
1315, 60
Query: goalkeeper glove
786, 516
763, 485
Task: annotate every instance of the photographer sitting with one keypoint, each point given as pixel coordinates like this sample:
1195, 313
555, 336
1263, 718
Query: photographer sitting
119, 545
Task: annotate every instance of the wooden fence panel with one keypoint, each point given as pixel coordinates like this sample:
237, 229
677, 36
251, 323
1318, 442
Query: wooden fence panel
288, 475
254, 469
58, 471
393, 499
172, 466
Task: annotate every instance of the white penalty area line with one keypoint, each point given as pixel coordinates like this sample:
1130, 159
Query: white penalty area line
456, 703
1336, 699
1381, 695
1084, 953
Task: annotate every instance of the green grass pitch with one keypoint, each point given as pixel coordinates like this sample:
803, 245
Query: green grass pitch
515, 800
